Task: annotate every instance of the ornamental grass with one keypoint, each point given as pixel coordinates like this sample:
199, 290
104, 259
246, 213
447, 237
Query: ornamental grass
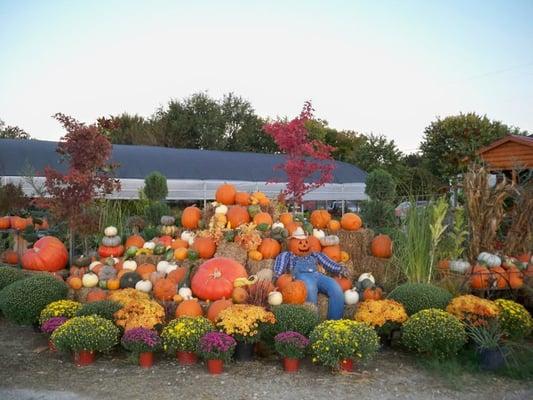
91, 333
473, 310
244, 321
183, 334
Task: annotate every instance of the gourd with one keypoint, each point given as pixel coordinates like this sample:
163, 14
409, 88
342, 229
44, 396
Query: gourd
131, 252
168, 220
159, 249
149, 245
345, 257
239, 295
111, 241
222, 209
351, 296
111, 231
162, 266
277, 225
365, 284
366, 275
263, 218
106, 273
330, 240
188, 236
334, 225
319, 234
185, 292
275, 298
129, 265
180, 254
171, 267
253, 210
169, 230
89, 280
144, 286
490, 260
94, 264
459, 266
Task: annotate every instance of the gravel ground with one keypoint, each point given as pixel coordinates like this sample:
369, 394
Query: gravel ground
29, 371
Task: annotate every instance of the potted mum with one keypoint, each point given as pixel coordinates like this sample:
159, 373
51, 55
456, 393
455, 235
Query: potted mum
84, 336
291, 346
385, 316
216, 348
337, 344
142, 342
49, 326
181, 336
243, 322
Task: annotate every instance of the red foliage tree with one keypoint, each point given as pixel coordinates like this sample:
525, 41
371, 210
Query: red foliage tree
309, 163
70, 195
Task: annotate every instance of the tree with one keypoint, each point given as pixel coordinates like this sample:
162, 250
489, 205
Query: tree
129, 129
378, 212
376, 151
450, 144
380, 185
307, 159
12, 132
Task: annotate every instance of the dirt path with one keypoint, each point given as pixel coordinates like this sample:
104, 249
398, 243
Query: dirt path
29, 371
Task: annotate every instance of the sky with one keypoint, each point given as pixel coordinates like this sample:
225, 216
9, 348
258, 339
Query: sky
382, 67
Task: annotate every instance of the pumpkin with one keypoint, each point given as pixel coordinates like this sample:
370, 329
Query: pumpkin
334, 225
10, 257
381, 246
238, 215
130, 265
283, 281
104, 251
490, 260
150, 245
134, 241
263, 218
286, 218
344, 283
294, 292
214, 278
242, 199
155, 276
113, 284
164, 240
345, 257
205, 246
216, 307
180, 254
74, 282
221, 210
320, 218
351, 222
96, 295
239, 295
18, 223
275, 298
516, 278
178, 275
292, 226
111, 231
129, 280
314, 244
351, 297
300, 247
47, 254
367, 275
269, 248
330, 240
144, 270
179, 243
255, 255
4, 222
111, 241
225, 194
459, 266
106, 272
500, 277
189, 308
372, 293
162, 266
480, 277
89, 280
333, 252
144, 286
164, 289
190, 217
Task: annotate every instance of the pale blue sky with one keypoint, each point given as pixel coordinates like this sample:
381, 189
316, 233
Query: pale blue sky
388, 67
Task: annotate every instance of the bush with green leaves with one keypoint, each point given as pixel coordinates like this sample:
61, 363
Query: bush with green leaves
434, 332
515, 320
86, 333
378, 215
23, 300
154, 211
420, 296
290, 317
155, 187
102, 308
380, 186
8, 275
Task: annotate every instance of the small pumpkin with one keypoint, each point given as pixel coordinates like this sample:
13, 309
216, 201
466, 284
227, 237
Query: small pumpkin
144, 286
168, 220
74, 282
96, 295
255, 255
372, 293
381, 246
178, 275
320, 218
4, 223
269, 248
345, 257
242, 199
130, 265
275, 298
283, 281
18, 223
286, 218
294, 292
129, 280
10, 257
205, 246
239, 295
265, 274
263, 218
225, 194
90, 280
334, 225
190, 217
111, 241
111, 231
351, 222
459, 266
237, 215
333, 252
330, 240
516, 278
180, 254
105, 251
145, 270
185, 292
490, 260
189, 308
113, 284
216, 307
500, 277
366, 275
351, 296
134, 241
164, 289
479, 278
179, 243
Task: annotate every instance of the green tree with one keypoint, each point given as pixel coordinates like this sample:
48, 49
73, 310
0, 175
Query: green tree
12, 132
130, 129
155, 186
380, 185
450, 144
376, 151
378, 212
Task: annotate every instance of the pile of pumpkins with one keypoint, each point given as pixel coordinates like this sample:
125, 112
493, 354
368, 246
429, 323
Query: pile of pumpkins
494, 272
19, 223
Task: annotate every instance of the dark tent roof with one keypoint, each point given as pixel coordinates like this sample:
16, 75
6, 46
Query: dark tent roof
138, 161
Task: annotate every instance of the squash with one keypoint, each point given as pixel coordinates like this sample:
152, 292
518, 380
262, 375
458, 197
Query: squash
129, 280
111, 241
10, 257
130, 265
185, 292
237, 215
319, 234
490, 260
48, 254
179, 243
345, 257
320, 218
188, 236
111, 231
255, 255
178, 275
269, 248
168, 220
18, 223
351, 222
479, 278
381, 246
144, 286
459, 266
116, 251
4, 222
225, 194
205, 246
516, 278
286, 218
372, 293
351, 296
150, 245
239, 295
366, 275
294, 292
221, 210
214, 278
216, 307
164, 289
162, 266
330, 240
189, 308
275, 298
190, 217
90, 280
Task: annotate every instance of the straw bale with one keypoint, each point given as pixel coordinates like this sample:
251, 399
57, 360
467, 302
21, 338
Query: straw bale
253, 267
323, 302
356, 243
386, 273
233, 251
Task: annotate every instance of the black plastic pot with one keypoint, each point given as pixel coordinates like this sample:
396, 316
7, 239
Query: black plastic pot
244, 351
491, 359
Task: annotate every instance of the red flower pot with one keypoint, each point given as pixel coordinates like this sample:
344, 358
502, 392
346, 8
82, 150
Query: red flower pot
146, 359
51, 346
186, 357
291, 364
215, 367
346, 365
83, 358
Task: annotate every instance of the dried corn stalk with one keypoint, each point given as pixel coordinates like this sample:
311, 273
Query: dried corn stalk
520, 234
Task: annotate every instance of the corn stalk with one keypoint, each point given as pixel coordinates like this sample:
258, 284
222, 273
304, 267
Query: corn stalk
520, 234
437, 229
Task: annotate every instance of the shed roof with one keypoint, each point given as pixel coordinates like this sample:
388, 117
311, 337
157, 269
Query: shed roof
523, 140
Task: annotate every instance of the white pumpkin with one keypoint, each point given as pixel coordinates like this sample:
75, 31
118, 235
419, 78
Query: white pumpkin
185, 293
116, 260
366, 275
94, 264
171, 267
162, 266
149, 245
89, 280
130, 265
188, 236
278, 225
459, 266
351, 296
222, 209
275, 298
144, 286
111, 231
490, 260
319, 233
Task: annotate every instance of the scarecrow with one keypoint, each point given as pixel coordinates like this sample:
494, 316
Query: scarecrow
302, 263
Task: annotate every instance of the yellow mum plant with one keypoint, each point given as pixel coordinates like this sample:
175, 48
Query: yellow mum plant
243, 321
472, 309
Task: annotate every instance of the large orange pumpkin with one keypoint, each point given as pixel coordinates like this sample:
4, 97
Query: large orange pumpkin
47, 254
294, 292
134, 240
334, 225
269, 248
107, 251
18, 223
225, 194
205, 246
10, 257
242, 199
217, 307
480, 277
179, 243
214, 279
190, 217
164, 289
344, 283
333, 252
285, 218
4, 223
189, 308
178, 275
238, 215
263, 218
314, 245
381, 246
351, 222
320, 218
283, 281
145, 270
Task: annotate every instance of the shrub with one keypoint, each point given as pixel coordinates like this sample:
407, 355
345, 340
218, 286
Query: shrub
434, 332
514, 319
8, 275
378, 215
102, 308
60, 308
155, 186
23, 300
155, 211
86, 333
289, 317
420, 296
380, 186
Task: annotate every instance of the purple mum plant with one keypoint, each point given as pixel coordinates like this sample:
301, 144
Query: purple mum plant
291, 344
140, 340
51, 324
216, 346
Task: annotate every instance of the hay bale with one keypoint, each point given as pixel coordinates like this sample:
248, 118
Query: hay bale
323, 302
253, 267
148, 258
386, 273
356, 243
233, 251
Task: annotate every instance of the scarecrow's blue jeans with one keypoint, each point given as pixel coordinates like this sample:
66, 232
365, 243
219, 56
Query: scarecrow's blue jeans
316, 282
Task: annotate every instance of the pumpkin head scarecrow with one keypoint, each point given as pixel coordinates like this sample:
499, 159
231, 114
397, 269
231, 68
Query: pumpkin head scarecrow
302, 262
